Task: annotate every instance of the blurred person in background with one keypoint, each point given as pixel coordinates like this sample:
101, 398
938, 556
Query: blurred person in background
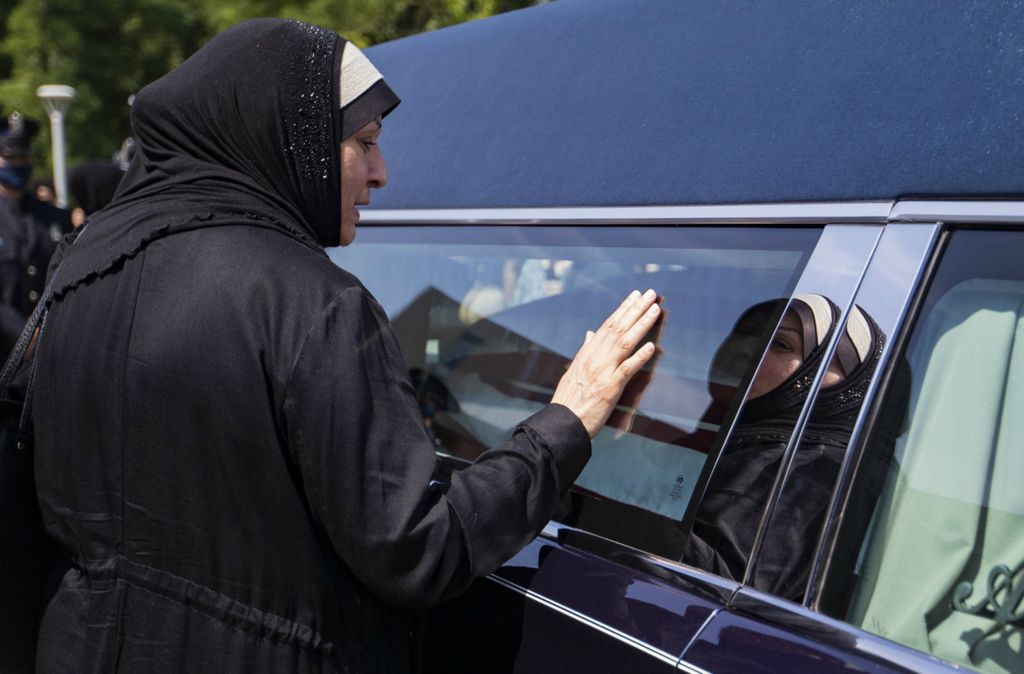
29, 229
44, 190
92, 184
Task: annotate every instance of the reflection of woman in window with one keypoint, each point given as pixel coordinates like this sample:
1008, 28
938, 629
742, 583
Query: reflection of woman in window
729, 515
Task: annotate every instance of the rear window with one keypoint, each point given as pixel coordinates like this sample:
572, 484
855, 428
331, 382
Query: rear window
488, 318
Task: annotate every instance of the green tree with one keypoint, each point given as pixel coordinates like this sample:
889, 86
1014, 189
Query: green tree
108, 49
368, 22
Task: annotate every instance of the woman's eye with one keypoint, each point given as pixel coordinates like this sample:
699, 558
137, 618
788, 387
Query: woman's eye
781, 345
367, 144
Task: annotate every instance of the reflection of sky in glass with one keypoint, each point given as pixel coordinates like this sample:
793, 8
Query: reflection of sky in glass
892, 272
838, 261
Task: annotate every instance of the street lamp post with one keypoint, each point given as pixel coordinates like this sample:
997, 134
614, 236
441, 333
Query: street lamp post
56, 99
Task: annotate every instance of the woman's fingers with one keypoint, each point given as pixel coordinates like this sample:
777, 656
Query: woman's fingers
632, 365
640, 327
624, 318
608, 359
587, 338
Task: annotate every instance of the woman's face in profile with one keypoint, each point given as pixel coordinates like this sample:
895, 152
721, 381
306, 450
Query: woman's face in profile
784, 357
362, 169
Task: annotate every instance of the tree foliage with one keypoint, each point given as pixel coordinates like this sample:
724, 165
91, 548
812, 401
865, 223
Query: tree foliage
108, 49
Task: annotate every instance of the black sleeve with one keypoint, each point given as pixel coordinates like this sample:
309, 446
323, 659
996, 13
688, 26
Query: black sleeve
367, 465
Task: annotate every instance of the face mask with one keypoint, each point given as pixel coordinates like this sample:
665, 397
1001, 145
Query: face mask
15, 177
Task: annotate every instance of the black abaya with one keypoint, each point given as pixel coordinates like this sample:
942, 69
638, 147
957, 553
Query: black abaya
240, 479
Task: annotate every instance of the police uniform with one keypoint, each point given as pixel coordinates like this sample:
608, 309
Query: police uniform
29, 233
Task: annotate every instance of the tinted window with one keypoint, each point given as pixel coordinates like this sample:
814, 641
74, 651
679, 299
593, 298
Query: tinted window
931, 553
489, 317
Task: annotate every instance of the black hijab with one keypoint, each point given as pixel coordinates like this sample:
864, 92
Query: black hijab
245, 132
771, 417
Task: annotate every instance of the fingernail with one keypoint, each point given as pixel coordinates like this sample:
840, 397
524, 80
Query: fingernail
654, 309
649, 295
633, 295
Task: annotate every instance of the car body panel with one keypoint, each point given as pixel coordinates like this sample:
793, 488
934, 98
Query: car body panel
556, 608
737, 643
763, 633
674, 102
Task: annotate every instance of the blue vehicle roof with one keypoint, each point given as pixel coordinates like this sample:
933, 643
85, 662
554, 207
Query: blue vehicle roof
642, 102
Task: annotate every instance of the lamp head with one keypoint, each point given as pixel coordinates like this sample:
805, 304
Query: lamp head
55, 97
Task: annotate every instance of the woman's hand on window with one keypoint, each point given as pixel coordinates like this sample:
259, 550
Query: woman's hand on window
607, 361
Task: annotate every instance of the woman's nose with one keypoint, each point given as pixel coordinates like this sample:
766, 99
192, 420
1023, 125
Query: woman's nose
378, 174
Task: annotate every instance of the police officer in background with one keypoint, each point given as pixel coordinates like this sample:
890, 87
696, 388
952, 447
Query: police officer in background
29, 230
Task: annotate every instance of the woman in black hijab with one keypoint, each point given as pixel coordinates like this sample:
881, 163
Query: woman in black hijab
730, 512
229, 457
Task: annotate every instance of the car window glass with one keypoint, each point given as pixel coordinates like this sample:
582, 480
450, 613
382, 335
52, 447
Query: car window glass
931, 552
489, 317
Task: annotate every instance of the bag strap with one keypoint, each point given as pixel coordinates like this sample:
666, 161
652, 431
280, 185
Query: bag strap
21, 346
35, 321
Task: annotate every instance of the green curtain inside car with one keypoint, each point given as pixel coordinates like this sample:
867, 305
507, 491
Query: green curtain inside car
953, 507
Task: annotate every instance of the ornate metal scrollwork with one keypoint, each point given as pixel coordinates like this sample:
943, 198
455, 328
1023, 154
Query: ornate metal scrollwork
1002, 603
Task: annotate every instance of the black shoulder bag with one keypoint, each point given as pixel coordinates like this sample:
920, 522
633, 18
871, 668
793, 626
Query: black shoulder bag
24, 558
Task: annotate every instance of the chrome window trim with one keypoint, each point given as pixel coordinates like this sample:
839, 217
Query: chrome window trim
696, 638
958, 212
878, 211
929, 232
587, 620
809, 213
684, 666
